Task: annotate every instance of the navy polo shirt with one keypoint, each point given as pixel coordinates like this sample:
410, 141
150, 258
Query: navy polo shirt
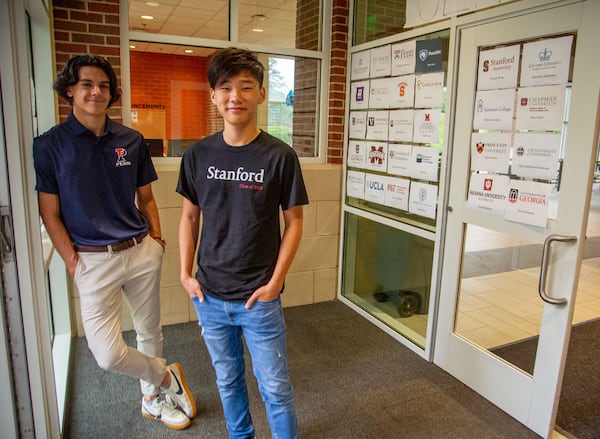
95, 178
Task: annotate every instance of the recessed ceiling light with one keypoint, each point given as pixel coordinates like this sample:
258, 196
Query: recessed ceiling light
152, 4
257, 29
132, 46
189, 51
147, 17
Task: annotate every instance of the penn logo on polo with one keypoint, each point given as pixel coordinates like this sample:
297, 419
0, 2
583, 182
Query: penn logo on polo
121, 160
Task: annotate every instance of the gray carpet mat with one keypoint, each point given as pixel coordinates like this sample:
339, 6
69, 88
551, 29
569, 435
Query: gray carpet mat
351, 380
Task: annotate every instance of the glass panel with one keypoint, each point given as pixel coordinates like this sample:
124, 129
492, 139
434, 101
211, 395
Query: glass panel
587, 305
499, 307
396, 129
374, 19
200, 19
387, 272
171, 106
289, 23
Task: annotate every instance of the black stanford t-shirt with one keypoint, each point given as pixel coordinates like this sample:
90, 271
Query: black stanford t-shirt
240, 191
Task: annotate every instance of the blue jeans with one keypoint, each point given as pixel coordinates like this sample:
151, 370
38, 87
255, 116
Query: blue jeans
263, 327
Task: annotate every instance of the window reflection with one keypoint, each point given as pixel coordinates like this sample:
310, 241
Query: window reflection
171, 106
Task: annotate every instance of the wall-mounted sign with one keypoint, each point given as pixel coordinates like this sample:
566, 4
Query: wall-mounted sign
546, 62
527, 202
357, 128
422, 199
429, 55
360, 65
401, 125
494, 110
403, 58
535, 155
498, 68
490, 152
359, 95
488, 193
381, 61
377, 125
541, 108
355, 184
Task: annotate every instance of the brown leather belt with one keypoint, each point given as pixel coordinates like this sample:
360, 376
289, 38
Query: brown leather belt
116, 247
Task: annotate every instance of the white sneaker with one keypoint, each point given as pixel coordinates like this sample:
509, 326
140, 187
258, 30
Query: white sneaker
165, 411
179, 391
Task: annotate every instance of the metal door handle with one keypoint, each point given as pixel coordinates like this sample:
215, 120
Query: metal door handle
544, 268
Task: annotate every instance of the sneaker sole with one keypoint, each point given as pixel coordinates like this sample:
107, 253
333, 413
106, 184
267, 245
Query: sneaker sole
186, 389
172, 426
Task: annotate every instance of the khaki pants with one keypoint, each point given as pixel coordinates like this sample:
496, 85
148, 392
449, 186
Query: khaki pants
102, 280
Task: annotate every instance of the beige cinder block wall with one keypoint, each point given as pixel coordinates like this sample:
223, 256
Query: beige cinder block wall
312, 277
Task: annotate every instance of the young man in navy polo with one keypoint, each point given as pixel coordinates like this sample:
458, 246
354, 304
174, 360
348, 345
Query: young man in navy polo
90, 173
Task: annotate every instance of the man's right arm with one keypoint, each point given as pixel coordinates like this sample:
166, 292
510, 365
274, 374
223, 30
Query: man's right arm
50, 213
188, 238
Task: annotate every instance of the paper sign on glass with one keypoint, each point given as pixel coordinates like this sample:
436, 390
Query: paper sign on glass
546, 62
424, 160
490, 152
385, 93
399, 159
488, 193
494, 109
357, 154
360, 65
498, 68
392, 92
357, 128
527, 202
536, 155
375, 188
403, 58
541, 108
381, 61
396, 192
377, 125
401, 125
429, 90
422, 199
427, 126
355, 184
359, 95
377, 156
429, 55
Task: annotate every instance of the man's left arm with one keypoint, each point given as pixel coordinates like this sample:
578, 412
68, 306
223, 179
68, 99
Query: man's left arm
149, 209
292, 234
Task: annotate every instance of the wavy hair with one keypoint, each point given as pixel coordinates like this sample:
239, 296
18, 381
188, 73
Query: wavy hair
69, 76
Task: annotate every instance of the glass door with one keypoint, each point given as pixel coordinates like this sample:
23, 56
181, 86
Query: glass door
524, 149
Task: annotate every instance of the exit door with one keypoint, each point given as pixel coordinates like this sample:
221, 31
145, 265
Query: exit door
524, 144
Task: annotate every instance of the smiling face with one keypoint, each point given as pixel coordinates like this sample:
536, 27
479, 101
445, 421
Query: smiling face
237, 99
91, 94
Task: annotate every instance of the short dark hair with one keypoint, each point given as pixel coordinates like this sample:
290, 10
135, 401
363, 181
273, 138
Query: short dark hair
69, 76
228, 62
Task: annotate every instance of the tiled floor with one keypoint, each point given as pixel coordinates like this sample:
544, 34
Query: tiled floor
502, 308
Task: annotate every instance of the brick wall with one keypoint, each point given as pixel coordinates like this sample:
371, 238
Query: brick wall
337, 85
87, 27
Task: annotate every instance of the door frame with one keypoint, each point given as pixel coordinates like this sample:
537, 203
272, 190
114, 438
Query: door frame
527, 399
31, 290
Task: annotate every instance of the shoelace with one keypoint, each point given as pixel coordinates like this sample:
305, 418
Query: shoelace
169, 402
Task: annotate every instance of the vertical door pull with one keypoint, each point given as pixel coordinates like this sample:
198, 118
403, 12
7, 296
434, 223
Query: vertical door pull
544, 268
